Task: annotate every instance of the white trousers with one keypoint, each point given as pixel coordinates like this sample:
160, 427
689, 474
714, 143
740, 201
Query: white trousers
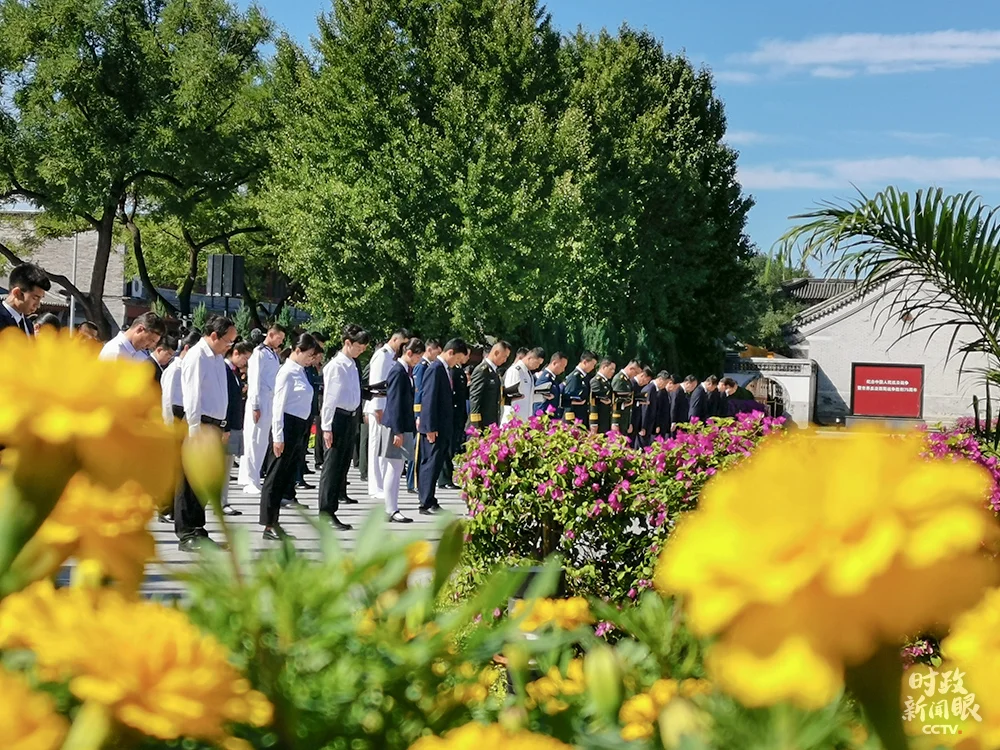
230, 459
393, 472
376, 464
255, 435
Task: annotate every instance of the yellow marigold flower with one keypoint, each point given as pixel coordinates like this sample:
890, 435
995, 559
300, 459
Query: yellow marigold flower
639, 709
148, 664
663, 691
420, 554
94, 524
565, 614
28, 720
631, 732
104, 418
489, 737
855, 542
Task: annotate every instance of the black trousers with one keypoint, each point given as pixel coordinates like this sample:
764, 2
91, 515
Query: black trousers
318, 447
432, 457
363, 451
189, 513
333, 477
280, 471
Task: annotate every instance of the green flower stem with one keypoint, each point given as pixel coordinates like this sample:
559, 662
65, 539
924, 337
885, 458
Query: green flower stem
91, 728
877, 686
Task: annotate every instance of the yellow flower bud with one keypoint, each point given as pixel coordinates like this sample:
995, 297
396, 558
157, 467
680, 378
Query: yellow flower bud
204, 459
680, 719
603, 678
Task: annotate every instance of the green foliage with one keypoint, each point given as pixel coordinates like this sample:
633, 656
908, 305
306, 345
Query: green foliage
108, 96
457, 167
775, 309
200, 317
159, 308
243, 321
285, 319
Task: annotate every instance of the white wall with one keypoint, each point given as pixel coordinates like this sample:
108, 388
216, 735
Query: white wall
869, 330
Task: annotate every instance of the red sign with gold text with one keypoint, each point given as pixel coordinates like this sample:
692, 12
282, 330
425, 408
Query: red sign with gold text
887, 390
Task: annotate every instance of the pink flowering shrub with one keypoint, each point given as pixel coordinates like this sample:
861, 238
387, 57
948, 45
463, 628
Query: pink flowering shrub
960, 441
546, 486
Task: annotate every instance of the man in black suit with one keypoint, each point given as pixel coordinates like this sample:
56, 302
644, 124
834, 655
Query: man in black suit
399, 424
28, 285
679, 403
437, 422
640, 403
162, 354
664, 407
651, 408
711, 385
484, 390
460, 401
698, 400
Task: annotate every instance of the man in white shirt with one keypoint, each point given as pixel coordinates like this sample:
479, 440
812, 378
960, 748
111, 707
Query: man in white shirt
381, 364
28, 285
262, 369
521, 374
341, 401
135, 342
172, 402
206, 400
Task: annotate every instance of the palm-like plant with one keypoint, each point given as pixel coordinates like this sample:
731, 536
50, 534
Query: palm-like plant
935, 251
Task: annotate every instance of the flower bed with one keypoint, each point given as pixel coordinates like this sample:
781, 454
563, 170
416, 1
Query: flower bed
545, 486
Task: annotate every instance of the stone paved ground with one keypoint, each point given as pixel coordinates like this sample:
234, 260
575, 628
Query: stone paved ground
158, 580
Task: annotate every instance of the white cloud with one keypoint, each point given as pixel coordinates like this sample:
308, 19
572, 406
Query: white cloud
745, 137
843, 55
734, 76
872, 173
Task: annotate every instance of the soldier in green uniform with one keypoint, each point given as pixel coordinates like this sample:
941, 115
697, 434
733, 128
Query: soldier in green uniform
602, 398
485, 388
625, 389
576, 390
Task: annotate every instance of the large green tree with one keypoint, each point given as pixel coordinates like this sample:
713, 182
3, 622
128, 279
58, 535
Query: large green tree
107, 97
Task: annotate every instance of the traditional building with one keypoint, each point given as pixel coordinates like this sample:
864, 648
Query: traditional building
863, 356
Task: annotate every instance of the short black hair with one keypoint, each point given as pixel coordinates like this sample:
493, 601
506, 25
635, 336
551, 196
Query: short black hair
320, 337
402, 333
167, 342
219, 325
432, 344
191, 338
635, 362
415, 346
521, 351
648, 372
27, 277
151, 322
275, 328
691, 379
664, 375
355, 334
713, 379
504, 344
89, 324
306, 342
244, 347
457, 345
728, 382
605, 362
588, 356
556, 356
538, 352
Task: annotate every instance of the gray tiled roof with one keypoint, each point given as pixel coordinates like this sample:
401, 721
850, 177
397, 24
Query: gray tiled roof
814, 291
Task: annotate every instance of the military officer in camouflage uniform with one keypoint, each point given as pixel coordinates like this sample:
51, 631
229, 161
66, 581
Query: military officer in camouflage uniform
485, 388
576, 390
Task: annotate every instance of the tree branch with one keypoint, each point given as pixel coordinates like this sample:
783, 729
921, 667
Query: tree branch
140, 259
155, 175
226, 236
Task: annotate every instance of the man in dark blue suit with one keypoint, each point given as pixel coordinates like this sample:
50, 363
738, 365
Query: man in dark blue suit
679, 403
550, 374
28, 285
437, 422
664, 407
432, 348
698, 400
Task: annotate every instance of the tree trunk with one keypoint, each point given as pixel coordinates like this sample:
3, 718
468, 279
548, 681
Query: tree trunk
184, 293
251, 305
96, 310
140, 261
292, 290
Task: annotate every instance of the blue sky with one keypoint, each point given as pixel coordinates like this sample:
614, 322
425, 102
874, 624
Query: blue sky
819, 97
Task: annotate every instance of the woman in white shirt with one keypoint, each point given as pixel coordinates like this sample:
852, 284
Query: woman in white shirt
293, 398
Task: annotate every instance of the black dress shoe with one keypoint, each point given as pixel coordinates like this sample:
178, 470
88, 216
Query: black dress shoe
165, 517
398, 517
197, 543
229, 510
276, 534
288, 503
304, 485
347, 500
427, 511
449, 486
339, 525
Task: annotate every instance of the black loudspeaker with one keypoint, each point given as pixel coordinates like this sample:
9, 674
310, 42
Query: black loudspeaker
225, 275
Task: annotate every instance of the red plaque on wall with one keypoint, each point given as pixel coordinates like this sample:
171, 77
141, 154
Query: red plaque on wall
887, 390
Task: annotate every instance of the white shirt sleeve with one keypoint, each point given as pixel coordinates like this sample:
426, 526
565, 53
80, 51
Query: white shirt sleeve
377, 374
281, 386
166, 395
253, 380
190, 385
333, 381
